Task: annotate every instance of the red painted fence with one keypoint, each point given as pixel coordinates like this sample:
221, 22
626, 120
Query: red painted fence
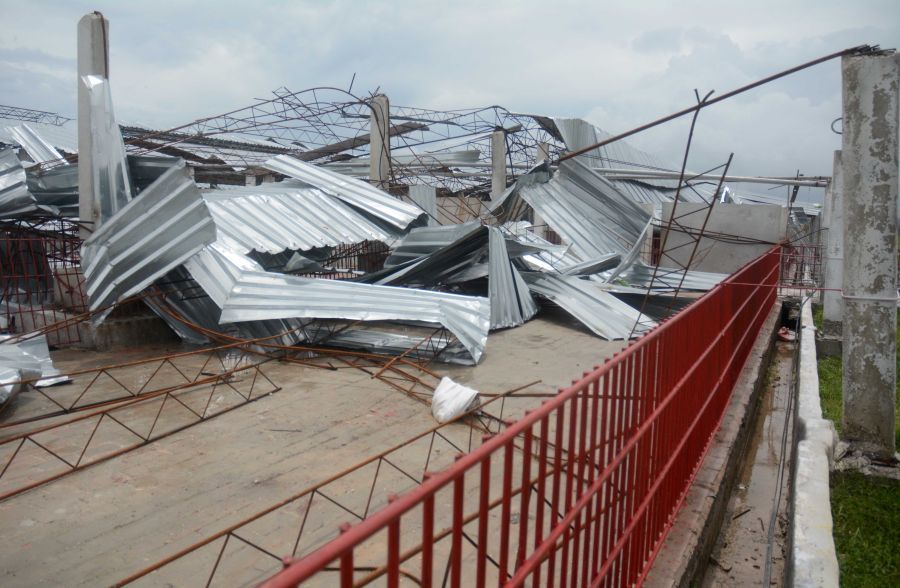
581, 491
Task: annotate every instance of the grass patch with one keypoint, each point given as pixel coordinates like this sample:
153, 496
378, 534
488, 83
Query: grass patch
866, 529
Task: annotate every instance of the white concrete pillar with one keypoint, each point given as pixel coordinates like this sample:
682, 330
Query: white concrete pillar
498, 163
250, 180
832, 311
93, 59
543, 154
380, 142
870, 161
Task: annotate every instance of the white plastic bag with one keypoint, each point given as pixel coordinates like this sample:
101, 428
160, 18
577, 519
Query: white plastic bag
451, 400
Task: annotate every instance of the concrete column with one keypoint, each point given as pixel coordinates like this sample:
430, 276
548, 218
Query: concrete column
93, 59
498, 163
250, 180
833, 307
380, 142
543, 153
869, 146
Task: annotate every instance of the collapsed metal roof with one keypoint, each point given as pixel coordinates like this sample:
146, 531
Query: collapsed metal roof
285, 215
146, 238
352, 191
266, 295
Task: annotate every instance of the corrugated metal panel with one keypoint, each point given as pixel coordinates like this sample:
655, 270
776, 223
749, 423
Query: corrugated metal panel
426, 240
587, 211
511, 302
594, 266
37, 148
56, 187
274, 217
62, 137
443, 347
595, 308
112, 187
262, 296
425, 197
188, 299
352, 191
151, 235
639, 275
15, 199
577, 134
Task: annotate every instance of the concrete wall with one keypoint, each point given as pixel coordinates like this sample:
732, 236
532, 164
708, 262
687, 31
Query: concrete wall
764, 222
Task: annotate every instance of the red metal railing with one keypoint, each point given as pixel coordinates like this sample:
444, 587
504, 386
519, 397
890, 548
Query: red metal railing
581, 491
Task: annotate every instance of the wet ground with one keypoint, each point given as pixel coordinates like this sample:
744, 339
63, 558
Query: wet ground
743, 548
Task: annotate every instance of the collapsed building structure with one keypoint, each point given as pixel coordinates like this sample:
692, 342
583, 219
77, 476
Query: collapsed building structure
322, 226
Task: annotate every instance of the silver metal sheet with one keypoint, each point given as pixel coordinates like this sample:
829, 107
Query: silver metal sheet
511, 301
62, 137
264, 296
162, 228
587, 211
594, 266
37, 148
57, 188
275, 217
36, 346
593, 306
425, 197
352, 191
640, 275
426, 240
112, 187
15, 199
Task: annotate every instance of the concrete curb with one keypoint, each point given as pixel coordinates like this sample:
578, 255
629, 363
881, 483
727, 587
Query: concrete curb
813, 559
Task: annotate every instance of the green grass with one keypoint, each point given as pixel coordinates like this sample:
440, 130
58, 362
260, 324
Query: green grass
866, 510
866, 515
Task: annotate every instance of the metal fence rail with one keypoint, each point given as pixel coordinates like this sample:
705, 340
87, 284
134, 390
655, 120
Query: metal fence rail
581, 491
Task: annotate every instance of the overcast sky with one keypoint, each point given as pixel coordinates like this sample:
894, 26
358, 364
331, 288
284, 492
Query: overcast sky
616, 64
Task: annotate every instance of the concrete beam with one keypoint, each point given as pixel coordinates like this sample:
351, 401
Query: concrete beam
870, 190
833, 305
498, 163
380, 142
93, 59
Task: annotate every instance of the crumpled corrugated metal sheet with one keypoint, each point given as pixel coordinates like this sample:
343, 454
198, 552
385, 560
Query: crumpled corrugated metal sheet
274, 217
264, 296
56, 187
37, 148
587, 211
112, 187
594, 307
423, 241
62, 137
357, 193
151, 235
511, 301
442, 347
26, 359
15, 199
640, 275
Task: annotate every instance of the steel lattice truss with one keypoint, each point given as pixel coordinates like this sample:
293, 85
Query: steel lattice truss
328, 126
31, 115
